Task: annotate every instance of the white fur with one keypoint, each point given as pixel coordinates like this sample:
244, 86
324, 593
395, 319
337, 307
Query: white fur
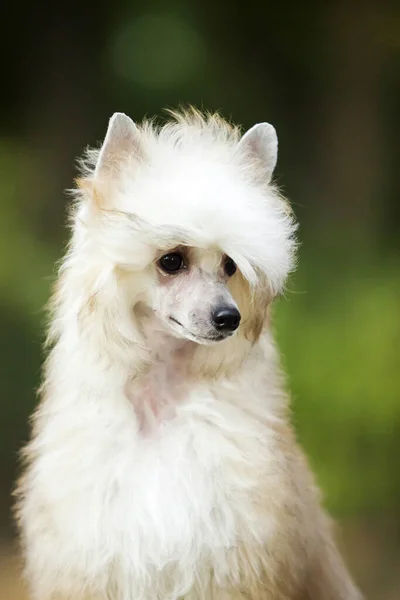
156, 465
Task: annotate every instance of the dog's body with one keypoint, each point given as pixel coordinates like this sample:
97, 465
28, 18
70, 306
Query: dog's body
162, 463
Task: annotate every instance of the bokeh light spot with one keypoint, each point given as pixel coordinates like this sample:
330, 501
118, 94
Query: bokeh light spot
157, 51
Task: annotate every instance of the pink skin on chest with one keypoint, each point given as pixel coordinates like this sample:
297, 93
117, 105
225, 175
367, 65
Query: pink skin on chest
155, 393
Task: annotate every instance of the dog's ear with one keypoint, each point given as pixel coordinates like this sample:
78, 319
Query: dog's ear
262, 142
121, 149
121, 144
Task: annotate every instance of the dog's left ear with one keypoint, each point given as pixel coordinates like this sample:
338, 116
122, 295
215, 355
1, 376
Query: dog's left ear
262, 141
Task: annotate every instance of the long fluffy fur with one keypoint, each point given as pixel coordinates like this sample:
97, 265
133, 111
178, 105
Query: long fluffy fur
219, 503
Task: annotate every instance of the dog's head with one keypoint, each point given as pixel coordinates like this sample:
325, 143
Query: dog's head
186, 223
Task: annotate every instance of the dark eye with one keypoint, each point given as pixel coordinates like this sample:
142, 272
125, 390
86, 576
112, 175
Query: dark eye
229, 266
171, 263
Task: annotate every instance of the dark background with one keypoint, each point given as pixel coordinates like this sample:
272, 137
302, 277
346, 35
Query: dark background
326, 74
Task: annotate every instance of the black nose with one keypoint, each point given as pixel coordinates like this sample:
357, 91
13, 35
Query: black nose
226, 318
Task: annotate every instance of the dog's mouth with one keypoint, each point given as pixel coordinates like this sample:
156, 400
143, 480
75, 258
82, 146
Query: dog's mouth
218, 337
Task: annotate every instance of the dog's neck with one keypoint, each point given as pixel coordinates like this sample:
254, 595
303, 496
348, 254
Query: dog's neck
165, 379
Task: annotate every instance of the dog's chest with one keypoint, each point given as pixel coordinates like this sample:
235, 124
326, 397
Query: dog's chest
183, 490
189, 489
168, 506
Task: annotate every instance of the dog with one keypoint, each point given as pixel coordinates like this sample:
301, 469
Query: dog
162, 463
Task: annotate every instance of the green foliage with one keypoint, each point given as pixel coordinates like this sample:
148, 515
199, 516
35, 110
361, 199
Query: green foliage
340, 338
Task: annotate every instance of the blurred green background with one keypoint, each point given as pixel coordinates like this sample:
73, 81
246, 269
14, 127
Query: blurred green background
327, 75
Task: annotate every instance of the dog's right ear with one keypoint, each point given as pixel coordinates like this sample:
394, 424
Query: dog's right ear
121, 145
121, 150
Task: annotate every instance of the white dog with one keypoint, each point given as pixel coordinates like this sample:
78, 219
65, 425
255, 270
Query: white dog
162, 463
